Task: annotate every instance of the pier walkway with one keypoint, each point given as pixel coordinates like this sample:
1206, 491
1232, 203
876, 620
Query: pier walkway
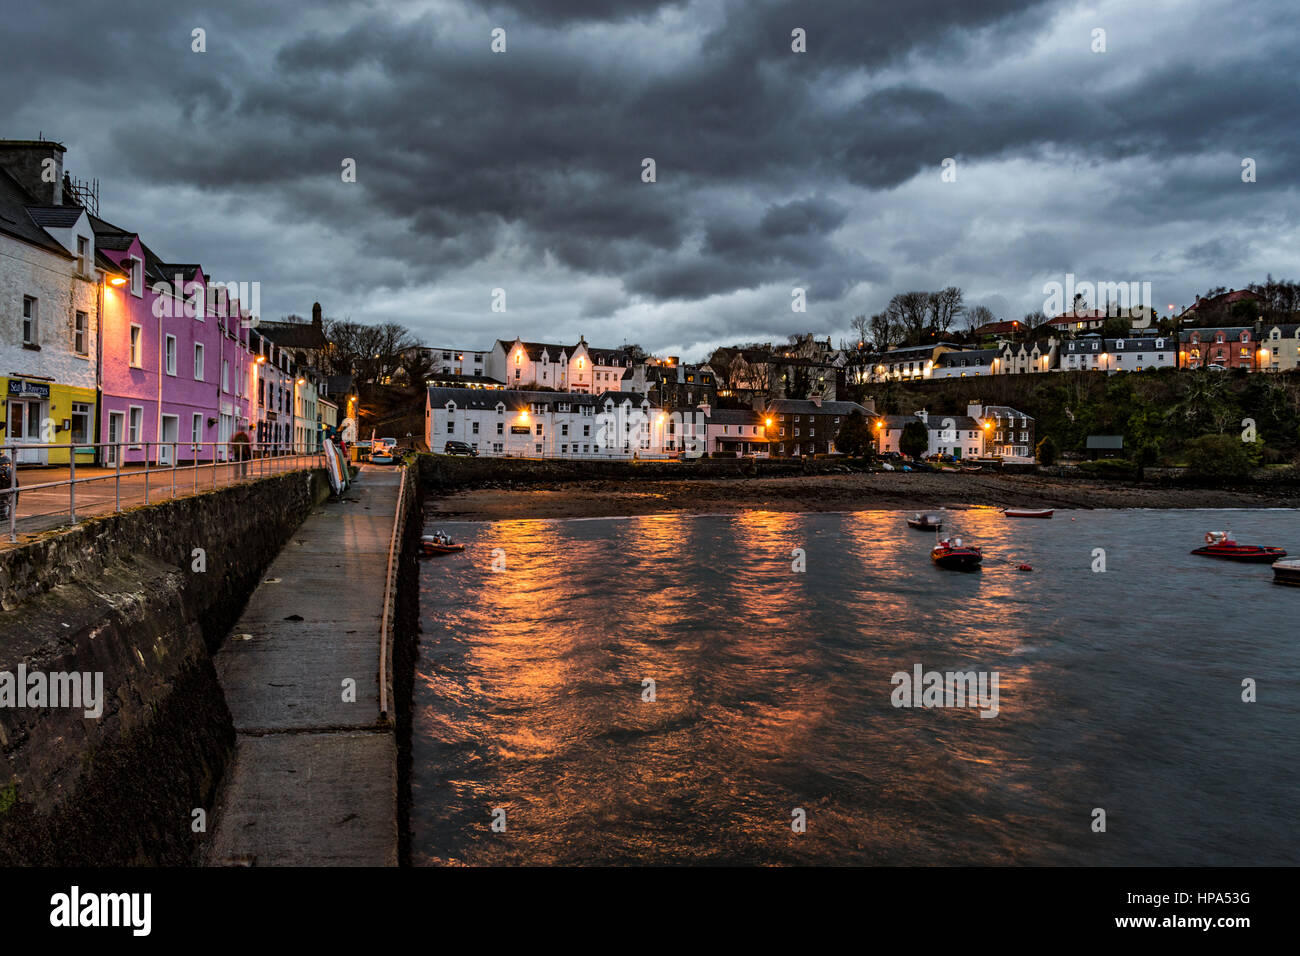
313, 781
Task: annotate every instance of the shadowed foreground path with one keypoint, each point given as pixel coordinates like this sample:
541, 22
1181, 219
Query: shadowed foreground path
313, 781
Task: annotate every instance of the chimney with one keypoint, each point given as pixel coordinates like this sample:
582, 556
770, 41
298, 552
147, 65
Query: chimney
817, 400
974, 409
316, 321
869, 404
37, 164
924, 415
705, 408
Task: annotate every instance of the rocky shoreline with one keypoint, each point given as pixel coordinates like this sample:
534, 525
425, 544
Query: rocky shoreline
838, 492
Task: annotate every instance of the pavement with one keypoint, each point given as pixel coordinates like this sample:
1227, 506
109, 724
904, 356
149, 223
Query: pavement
313, 781
104, 490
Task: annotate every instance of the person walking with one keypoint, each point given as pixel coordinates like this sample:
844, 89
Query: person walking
241, 450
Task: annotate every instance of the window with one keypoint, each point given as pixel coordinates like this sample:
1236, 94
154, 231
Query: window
30, 330
80, 423
586, 431
134, 425
137, 350
137, 275
225, 376
501, 428
564, 430
539, 430
451, 427
196, 429
170, 351
198, 362
474, 428
81, 334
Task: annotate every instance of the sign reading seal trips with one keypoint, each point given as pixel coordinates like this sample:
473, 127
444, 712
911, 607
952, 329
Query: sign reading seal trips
20, 389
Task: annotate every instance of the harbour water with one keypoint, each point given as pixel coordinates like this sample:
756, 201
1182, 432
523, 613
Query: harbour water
1119, 690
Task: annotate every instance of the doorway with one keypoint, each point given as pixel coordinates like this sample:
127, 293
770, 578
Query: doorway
25, 428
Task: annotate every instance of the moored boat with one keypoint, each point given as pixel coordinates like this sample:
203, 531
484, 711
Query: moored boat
1287, 572
929, 521
1219, 544
955, 556
1027, 512
439, 544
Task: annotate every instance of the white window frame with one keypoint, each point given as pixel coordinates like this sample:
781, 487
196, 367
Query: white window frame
169, 354
200, 368
135, 358
31, 322
134, 429
84, 332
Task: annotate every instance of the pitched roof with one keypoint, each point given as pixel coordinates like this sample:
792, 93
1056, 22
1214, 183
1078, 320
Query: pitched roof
15, 220
968, 357
294, 335
804, 406
518, 399
55, 217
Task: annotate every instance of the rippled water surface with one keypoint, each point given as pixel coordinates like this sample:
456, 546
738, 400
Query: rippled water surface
1118, 690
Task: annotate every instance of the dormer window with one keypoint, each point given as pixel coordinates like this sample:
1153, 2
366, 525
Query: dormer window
136, 268
519, 357
1119, 344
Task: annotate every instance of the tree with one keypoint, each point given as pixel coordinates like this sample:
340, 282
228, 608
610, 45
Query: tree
1046, 451
915, 440
979, 315
908, 313
882, 331
855, 438
1218, 457
945, 306
862, 330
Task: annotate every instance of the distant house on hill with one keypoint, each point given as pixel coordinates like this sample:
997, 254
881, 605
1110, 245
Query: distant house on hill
1234, 302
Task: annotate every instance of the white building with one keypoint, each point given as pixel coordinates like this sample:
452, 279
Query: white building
515, 423
453, 361
1092, 353
966, 363
50, 295
565, 368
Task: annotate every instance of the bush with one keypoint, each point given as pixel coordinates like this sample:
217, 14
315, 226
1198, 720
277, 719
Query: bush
1046, 451
1219, 457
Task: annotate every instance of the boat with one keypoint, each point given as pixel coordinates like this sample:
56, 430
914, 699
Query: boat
952, 468
955, 556
1219, 544
971, 469
1027, 512
436, 544
1287, 572
929, 521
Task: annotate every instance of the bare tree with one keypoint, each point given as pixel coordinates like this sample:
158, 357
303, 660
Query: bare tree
979, 315
945, 306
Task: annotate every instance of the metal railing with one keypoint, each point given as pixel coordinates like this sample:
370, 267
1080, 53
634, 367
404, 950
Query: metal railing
159, 474
388, 599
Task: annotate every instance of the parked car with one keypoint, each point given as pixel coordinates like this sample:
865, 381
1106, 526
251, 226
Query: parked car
383, 451
1216, 368
459, 448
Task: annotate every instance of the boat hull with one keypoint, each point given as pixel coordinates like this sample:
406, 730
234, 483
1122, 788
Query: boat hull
963, 559
1027, 513
1249, 553
1287, 572
433, 549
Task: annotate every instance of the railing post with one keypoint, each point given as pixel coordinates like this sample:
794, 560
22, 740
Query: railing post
72, 485
146, 472
174, 468
117, 477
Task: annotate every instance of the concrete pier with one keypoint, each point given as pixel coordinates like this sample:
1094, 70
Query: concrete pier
313, 781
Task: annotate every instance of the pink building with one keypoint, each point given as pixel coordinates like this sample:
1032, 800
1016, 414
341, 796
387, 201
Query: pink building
175, 363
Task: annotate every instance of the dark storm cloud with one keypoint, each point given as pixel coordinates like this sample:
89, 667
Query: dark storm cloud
774, 169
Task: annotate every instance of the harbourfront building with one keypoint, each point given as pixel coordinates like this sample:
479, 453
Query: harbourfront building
51, 279
910, 362
739, 431
805, 427
984, 431
523, 423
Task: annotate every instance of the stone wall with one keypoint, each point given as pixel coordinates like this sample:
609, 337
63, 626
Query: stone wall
126, 596
441, 472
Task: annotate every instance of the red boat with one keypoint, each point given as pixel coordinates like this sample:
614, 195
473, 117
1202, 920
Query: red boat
1027, 512
432, 544
955, 556
1219, 544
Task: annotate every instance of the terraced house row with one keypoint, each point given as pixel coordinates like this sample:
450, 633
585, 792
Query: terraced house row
110, 348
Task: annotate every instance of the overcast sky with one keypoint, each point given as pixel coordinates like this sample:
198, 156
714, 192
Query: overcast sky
776, 170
